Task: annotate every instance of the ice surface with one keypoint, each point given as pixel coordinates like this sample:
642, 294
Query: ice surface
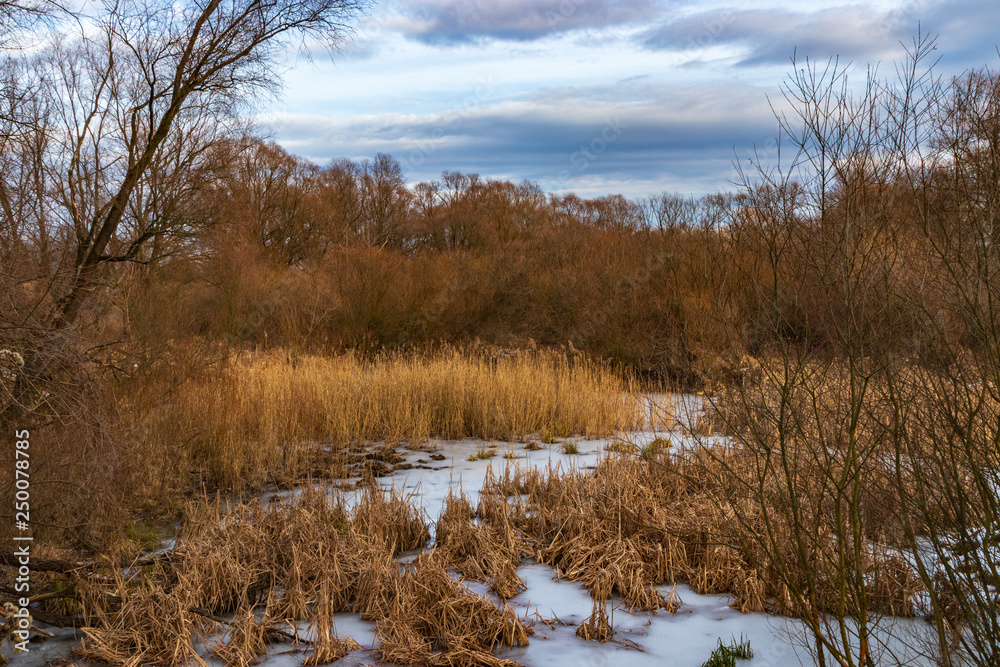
555, 608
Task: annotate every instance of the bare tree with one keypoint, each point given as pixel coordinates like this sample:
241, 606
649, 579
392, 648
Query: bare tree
152, 68
18, 17
263, 195
810, 477
945, 423
385, 201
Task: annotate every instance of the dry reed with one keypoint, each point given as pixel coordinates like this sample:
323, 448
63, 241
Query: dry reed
625, 529
307, 558
596, 627
268, 417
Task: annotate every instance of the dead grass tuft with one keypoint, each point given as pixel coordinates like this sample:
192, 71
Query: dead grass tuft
489, 552
596, 627
246, 641
327, 647
674, 601
140, 626
619, 447
434, 620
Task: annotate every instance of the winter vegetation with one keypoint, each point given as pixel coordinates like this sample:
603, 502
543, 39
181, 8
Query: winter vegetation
233, 363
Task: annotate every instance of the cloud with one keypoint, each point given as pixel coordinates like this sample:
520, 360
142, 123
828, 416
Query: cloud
966, 29
685, 112
464, 21
647, 140
854, 32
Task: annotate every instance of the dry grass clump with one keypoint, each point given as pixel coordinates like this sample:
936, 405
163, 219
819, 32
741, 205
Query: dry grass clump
596, 627
604, 529
307, 558
269, 416
894, 584
391, 520
489, 552
141, 626
247, 641
433, 620
483, 453
617, 566
718, 570
673, 601
657, 447
331, 649
327, 646
620, 447
750, 592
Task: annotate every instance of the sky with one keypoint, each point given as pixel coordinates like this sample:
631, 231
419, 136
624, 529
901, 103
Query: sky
596, 97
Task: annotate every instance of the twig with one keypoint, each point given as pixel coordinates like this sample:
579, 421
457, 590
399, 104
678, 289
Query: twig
270, 631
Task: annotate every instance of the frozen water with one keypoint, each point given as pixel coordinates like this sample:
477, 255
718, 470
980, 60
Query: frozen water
555, 608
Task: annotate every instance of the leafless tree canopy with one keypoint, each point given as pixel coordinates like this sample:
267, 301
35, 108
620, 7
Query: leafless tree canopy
111, 118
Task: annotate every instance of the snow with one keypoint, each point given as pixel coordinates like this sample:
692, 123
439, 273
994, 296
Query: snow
684, 639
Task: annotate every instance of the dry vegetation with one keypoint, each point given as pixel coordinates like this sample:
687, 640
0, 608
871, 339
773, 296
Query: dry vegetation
721, 519
273, 321
630, 528
260, 568
270, 417
263, 418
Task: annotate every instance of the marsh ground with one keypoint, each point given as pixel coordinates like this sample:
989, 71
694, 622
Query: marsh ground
551, 607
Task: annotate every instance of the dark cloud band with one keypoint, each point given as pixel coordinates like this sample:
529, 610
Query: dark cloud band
462, 21
669, 141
